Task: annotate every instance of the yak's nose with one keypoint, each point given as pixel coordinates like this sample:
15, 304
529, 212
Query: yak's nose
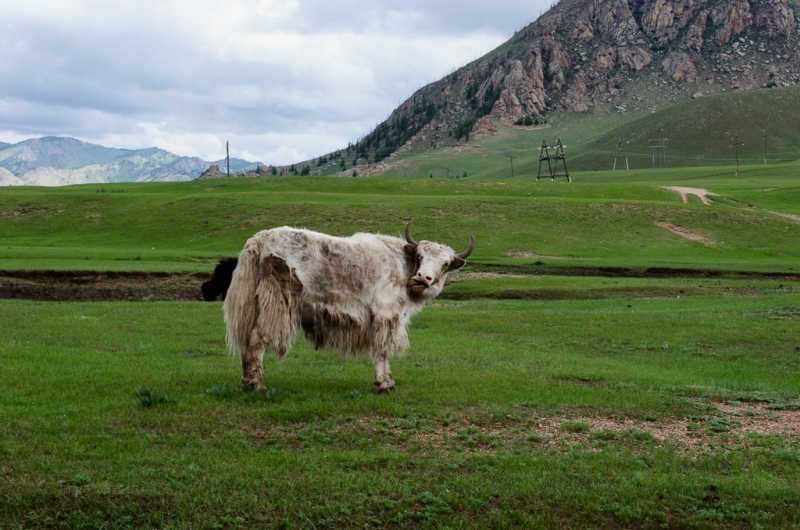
424, 277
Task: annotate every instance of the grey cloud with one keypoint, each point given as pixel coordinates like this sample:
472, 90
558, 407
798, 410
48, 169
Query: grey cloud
296, 85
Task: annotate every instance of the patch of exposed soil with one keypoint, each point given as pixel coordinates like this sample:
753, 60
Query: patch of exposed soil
795, 218
680, 231
527, 254
700, 193
94, 286
727, 423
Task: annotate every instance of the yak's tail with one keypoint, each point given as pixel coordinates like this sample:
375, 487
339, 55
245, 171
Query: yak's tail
240, 302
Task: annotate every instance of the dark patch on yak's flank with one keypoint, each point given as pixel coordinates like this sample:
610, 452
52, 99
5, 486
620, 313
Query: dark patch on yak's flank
217, 287
284, 275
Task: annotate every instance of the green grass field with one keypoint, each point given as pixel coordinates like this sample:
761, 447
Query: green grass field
600, 219
496, 421
528, 398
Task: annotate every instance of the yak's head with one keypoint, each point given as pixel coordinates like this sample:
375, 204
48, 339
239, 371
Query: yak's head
431, 263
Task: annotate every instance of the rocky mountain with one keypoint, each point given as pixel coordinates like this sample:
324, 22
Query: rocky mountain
602, 55
57, 161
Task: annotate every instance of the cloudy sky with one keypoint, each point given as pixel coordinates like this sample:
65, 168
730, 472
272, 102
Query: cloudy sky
282, 80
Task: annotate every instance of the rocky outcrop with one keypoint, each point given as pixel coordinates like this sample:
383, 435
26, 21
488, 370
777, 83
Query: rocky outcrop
625, 57
733, 17
583, 31
680, 67
694, 34
662, 19
212, 173
777, 18
614, 18
520, 96
484, 127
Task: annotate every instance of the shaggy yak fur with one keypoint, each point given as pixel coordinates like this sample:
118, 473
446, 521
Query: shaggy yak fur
217, 286
348, 294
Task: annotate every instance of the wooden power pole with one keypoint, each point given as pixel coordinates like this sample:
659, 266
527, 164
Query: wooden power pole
735, 144
228, 156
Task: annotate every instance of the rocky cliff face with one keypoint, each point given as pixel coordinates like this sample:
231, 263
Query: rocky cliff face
607, 55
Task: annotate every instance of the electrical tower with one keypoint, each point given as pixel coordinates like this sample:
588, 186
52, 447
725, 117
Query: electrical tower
555, 156
511, 159
625, 155
655, 145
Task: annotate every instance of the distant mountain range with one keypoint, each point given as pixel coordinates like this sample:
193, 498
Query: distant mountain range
57, 161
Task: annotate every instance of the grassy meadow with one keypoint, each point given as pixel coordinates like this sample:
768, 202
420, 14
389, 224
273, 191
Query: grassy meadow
528, 398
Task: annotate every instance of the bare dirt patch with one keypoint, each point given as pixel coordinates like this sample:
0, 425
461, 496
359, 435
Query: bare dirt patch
94, 286
700, 193
527, 254
680, 231
727, 424
795, 218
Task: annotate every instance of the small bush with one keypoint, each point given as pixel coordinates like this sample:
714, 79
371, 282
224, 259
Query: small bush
149, 397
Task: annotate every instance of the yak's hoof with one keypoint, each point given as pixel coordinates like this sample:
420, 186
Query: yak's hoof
254, 384
385, 387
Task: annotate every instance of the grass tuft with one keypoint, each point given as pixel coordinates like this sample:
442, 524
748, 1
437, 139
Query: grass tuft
149, 397
268, 394
222, 389
575, 426
353, 394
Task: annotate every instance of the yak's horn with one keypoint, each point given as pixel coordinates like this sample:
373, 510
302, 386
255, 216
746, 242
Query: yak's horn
465, 255
408, 234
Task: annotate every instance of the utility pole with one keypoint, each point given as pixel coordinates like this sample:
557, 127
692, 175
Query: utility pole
619, 147
228, 156
655, 145
766, 135
735, 144
512, 164
448, 171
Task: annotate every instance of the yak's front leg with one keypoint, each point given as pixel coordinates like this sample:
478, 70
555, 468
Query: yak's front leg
253, 366
383, 374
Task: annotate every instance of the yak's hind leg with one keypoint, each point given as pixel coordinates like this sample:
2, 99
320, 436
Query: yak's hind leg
389, 338
278, 297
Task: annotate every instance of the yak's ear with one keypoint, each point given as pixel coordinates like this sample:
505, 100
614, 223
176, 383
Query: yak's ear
410, 251
457, 264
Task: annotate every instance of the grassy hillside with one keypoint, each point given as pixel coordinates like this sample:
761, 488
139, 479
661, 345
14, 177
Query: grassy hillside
699, 134
600, 219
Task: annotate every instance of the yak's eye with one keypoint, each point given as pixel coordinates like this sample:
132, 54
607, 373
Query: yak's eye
446, 264
419, 258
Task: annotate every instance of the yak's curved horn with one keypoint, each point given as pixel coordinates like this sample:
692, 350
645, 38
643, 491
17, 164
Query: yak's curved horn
408, 234
465, 255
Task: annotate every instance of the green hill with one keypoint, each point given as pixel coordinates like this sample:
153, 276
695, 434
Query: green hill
600, 219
